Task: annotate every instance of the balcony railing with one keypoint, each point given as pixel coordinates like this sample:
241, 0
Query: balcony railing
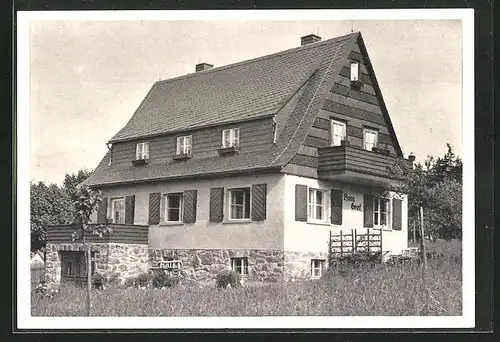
356, 164
121, 233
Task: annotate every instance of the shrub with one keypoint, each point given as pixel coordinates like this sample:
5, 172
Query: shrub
161, 279
226, 278
142, 280
98, 281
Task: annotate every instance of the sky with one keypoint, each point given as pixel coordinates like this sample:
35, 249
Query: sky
88, 77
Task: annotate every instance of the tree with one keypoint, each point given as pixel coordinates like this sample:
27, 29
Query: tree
86, 201
71, 181
50, 205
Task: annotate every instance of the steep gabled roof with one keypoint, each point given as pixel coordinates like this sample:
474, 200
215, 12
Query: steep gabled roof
240, 91
291, 85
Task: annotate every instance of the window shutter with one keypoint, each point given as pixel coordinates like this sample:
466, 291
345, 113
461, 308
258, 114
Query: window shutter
154, 208
368, 211
336, 206
190, 199
259, 197
300, 202
129, 209
397, 214
216, 204
102, 211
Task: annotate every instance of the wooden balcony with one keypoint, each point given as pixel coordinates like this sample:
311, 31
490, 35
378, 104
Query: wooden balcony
121, 233
356, 165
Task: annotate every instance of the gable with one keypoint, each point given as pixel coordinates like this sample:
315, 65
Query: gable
359, 109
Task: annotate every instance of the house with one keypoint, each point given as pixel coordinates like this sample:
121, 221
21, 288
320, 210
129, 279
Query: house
248, 166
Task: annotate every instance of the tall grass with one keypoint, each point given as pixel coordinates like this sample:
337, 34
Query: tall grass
381, 290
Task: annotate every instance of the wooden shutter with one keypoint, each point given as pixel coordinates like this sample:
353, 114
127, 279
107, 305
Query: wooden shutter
216, 204
129, 209
397, 214
368, 211
259, 197
154, 208
190, 200
102, 211
300, 202
336, 206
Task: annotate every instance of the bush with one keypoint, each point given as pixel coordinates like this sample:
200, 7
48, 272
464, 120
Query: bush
161, 279
98, 281
226, 278
142, 280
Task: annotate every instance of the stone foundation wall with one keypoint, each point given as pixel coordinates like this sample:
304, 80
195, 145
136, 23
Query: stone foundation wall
298, 264
124, 260
205, 264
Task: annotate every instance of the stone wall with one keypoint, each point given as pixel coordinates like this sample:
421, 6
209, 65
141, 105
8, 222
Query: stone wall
298, 264
205, 264
123, 260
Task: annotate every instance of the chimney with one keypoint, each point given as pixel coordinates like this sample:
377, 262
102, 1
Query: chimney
311, 38
203, 66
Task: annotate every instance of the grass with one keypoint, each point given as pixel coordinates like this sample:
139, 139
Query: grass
382, 290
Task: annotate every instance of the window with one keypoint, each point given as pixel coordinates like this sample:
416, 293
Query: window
354, 72
316, 207
173, 207
239, 204
118, 210
240, 265
338, 131
370, 139
142, 151
317, 268
380, 212
231, 138
184, 145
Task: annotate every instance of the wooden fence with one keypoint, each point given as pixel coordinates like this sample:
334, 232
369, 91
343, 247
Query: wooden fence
355, 243
37, 273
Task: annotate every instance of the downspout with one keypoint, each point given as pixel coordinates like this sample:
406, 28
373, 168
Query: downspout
110, 149
275, 130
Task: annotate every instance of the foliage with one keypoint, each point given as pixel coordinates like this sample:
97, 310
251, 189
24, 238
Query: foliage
98, 281
71, 182
382, 290
85, 203
50, 205
160, 279
226, 278
437, 187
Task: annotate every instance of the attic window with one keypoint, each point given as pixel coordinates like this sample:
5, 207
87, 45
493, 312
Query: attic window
355, 81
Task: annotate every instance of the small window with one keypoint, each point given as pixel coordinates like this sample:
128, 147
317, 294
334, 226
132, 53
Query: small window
317, 268
118, 210
239, 204
184, 145
338, 131
370, 139
316, 205
173, 207
240, 265
380, 212
142, 151
354, 72
231, 138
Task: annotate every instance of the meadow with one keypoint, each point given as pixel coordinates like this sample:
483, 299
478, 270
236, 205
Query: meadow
376, 290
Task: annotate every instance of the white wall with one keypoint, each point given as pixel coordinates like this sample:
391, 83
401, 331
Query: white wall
267, 234
311, 237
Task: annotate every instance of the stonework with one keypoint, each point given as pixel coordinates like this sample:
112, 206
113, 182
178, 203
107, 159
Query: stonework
205, 264
122, 260
298, 264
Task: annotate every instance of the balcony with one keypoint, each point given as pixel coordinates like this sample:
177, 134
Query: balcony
121, 233
355, 165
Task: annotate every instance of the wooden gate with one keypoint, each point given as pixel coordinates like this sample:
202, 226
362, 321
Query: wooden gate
354, 243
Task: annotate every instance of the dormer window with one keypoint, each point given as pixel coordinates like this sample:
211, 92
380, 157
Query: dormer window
231, 138
370, 139
184, 144
142, 151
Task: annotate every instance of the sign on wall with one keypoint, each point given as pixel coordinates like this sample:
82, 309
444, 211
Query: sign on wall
352, 199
